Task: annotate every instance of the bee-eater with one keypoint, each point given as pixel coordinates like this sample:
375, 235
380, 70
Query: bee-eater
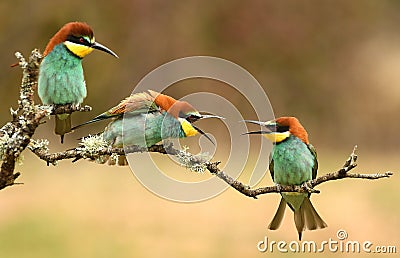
147, 118
61, 79
293, 161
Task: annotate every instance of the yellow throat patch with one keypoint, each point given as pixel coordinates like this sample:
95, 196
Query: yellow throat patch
277, 137
78, 49
187, 128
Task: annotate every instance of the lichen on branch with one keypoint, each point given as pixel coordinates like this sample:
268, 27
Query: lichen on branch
201, 163
16, 136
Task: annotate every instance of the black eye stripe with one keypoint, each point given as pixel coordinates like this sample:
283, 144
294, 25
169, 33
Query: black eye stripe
278, 128
78, 40
281, 129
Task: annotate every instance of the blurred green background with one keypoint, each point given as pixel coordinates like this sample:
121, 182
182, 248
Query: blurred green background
333, 64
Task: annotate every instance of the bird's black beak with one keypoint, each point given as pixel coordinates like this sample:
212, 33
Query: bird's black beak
195, 117
203, 133
271, 127
211, 116
257, 132
100, 47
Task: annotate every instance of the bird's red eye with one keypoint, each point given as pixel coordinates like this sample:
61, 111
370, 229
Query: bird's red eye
82, 40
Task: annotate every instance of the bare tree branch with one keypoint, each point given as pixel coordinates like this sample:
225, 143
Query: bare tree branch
81, 153
69, 108
16, 136
306, 187
212, 167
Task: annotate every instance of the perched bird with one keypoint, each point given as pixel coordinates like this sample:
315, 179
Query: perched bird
61, 79
147, 118
293, 161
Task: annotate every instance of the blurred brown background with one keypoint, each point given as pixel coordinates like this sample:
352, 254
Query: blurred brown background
333, 64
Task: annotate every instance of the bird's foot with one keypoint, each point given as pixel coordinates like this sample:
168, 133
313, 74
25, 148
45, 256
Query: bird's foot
306, 186
279, 187
69, 108
84, 108
54, 108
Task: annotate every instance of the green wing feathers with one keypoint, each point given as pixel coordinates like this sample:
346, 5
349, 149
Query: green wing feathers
139, 103
280, 212
314, 153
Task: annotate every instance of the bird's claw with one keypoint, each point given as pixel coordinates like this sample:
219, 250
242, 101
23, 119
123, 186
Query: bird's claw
278, 188
308, 187
86, 108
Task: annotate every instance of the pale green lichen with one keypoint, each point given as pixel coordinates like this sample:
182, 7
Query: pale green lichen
41, 144
48, 109
4, 140
195, 163
22, 121
91, 145
22, 61
13, 112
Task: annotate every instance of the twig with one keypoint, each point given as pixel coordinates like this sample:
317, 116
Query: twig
212, 167
79, 153
306, 187
16, 135
70, 108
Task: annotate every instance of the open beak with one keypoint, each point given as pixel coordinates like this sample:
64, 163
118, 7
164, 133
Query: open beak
100, 47
269, 125
193, 119
257, 132
211, 116
265, 124
203, 133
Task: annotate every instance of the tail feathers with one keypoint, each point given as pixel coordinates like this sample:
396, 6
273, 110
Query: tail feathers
299, 221
63, 125
96, 119
307, 218
86, 123
277, 220
313, 220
